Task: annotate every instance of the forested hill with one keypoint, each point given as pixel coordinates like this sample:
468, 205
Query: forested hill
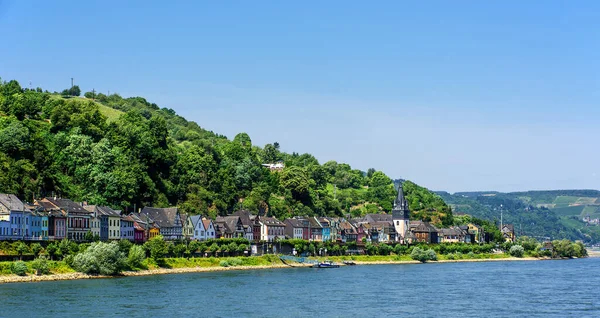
127, 152
554, 213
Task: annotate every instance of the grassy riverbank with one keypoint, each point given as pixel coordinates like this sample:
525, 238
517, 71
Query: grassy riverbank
61, 271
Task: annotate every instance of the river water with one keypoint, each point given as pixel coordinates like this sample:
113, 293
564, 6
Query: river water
567, 288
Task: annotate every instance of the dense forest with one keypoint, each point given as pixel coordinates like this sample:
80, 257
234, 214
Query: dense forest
128, 153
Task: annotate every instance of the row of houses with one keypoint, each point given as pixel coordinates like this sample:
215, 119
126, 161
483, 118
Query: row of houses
51, 219
58, 218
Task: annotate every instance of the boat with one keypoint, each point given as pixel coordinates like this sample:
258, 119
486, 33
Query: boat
326, 264
349, 263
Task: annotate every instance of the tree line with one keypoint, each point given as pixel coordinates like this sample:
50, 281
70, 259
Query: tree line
150, 156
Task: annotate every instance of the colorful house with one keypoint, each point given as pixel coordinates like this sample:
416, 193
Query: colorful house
95, 221
424, 232
188, 227
127, 228
14, 210
210, 228
508, 232
325, 229
271, 229
229, 226
168, 221
199, 232
78, 218
247, 222
294, 229
316, 230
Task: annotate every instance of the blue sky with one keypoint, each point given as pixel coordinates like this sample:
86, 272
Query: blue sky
454, 95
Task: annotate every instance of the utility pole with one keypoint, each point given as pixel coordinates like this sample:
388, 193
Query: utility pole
94, 98
71, 82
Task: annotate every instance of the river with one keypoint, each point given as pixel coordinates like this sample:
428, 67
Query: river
486, 289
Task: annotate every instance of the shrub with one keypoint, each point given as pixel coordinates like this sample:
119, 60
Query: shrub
234, 261
100, 258
450, 256
516, 251
423, 255
19, 268
158, 249
471, 255
223, 263
69, 260
136, 256
40, 264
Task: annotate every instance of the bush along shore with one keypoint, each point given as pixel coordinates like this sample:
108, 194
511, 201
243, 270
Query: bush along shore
69, 260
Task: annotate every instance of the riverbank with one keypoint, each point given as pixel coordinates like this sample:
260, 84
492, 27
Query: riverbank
163, 271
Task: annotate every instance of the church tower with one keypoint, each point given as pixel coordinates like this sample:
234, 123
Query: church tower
400, 214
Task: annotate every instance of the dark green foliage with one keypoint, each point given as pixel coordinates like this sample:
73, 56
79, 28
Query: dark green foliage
151, 156
19, 268
40, 265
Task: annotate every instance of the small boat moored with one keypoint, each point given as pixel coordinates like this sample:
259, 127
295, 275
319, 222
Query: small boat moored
349, 263
326, 264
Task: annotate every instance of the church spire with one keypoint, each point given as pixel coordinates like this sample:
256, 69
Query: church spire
400, 202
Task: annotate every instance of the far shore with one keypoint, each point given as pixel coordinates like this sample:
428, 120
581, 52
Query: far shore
162, 271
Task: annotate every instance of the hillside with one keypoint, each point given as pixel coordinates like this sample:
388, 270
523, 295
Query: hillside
128, 153
555, 214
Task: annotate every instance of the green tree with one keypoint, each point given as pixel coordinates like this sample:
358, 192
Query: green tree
158, 249
100, 258
136, 256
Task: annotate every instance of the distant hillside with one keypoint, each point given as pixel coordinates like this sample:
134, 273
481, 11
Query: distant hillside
555, 213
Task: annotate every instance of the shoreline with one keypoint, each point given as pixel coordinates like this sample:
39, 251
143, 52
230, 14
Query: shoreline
7, 279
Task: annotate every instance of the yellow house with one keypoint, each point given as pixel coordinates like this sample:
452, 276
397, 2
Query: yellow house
478, 231
154, 231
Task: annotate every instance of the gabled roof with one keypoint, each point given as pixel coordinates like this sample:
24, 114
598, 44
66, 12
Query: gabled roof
271, 221
196, 219
420, 226
183, 218
314, 223
107, 211
206, 223
295, 223
163, 217
11, 202
371, 218
139, 222
67, 205
508, 227
245, 217
230, 222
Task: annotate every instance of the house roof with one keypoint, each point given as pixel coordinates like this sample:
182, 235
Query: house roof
295, 223
420, 226
453, 231
371, 218
271, 221
230, 222
163, 217
245, 216
195, 219
138, 221
11, 202
206, 223
107, 211
67, 205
